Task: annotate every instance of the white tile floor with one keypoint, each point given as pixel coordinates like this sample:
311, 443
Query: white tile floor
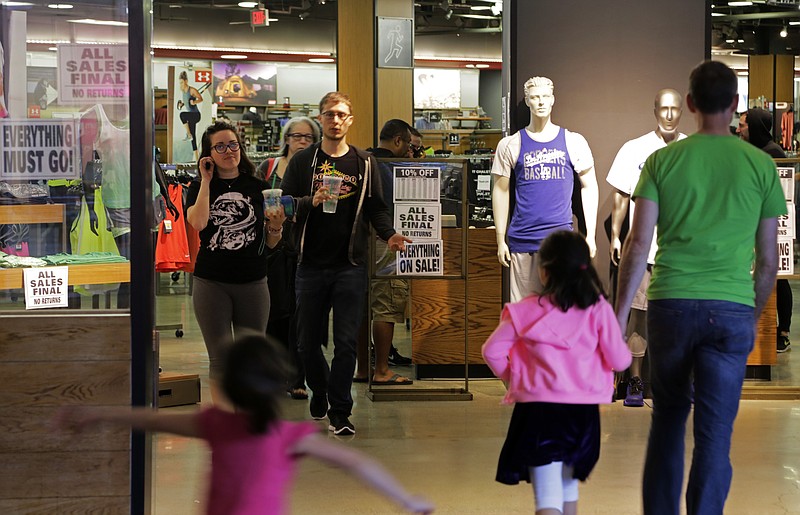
448, 450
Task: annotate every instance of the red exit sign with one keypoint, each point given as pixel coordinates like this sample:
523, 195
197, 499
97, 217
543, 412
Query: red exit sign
259, 18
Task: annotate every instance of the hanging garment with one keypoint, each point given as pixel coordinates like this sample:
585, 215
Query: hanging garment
172, 248
84, 241
787, 130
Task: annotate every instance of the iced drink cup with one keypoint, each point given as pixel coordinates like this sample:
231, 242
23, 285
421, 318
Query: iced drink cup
272, 201
333, 184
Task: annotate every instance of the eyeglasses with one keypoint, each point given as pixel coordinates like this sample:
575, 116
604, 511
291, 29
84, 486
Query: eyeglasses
330, 115
298, 136
221, 148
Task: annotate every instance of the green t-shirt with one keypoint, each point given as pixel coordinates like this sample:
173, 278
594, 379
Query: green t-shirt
712, 192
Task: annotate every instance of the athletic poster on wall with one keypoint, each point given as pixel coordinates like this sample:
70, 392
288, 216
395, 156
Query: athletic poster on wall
191, 107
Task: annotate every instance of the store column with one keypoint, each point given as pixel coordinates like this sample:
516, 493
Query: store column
771, 86
378, 93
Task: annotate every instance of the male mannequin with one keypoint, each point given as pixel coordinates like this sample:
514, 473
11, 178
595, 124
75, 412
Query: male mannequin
623, 176
543, 158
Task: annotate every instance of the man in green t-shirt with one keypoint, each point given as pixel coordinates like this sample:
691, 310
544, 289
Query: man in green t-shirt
714, 198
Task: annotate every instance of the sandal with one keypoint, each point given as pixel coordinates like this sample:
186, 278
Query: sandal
298, 394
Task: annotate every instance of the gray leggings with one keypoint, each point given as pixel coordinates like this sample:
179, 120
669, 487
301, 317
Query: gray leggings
224, 311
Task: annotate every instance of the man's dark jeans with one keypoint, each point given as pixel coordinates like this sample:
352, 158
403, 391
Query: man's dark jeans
317, 290
711, 339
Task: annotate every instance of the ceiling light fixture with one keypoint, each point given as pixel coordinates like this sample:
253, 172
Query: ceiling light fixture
469, 65
448, 14
303, 15
90, 21
481, 7
11, 3
248, 5
321, 60
739, 4
784, 31
60, 6
794, 22
717, 14
482, 65
232, 56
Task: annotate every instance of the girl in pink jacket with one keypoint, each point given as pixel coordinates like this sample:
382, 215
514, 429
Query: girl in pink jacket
556, 353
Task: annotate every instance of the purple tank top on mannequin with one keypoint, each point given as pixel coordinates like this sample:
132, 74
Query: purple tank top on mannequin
543, 180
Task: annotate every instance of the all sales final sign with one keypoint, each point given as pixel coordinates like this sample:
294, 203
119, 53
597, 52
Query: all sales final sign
92, 74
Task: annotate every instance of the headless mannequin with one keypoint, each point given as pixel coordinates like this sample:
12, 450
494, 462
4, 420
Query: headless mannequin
667, 110
540, 99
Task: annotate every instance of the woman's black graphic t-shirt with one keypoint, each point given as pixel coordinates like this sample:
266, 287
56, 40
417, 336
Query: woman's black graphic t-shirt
232, 245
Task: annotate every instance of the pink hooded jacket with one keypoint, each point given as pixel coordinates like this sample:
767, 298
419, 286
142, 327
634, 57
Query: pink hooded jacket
547, 355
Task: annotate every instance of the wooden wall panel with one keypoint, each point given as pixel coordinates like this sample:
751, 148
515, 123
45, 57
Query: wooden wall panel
28, 429
437, 306
62, 339
64, 383
64, 474
48, 361
395, 96
764, 350
355, 66
63, 506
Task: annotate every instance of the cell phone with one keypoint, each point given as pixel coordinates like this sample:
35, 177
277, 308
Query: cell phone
287, 201
207, 165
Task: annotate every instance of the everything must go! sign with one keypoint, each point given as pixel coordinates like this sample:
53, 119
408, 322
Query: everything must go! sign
39, 149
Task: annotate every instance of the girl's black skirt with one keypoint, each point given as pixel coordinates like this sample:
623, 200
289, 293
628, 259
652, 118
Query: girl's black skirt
544, 432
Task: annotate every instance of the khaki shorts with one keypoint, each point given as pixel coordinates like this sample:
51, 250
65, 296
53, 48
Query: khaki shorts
389, 300
640, 297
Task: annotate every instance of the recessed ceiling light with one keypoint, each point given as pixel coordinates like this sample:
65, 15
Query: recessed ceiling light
248, 5
60, 6
90, 21
321, 60
232, 56
739, 4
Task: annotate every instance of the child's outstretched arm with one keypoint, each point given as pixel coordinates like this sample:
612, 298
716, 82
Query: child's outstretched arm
78, 418
364, 467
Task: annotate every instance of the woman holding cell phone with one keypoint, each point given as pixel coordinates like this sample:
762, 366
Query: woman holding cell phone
226, 206
298, 134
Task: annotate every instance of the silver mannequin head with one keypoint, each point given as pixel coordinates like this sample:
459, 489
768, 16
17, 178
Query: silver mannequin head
668, 107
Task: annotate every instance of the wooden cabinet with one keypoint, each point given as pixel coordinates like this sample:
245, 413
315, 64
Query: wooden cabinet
437, 306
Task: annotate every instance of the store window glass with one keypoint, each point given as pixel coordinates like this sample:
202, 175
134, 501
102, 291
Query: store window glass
64, 155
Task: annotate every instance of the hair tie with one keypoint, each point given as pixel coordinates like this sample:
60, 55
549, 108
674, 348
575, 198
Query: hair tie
583, 267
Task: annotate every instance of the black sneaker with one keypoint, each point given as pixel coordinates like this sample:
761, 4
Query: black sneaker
396, 359
783, 343
318, 406
341, 425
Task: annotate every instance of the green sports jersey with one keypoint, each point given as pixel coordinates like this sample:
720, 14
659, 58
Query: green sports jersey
712, 192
